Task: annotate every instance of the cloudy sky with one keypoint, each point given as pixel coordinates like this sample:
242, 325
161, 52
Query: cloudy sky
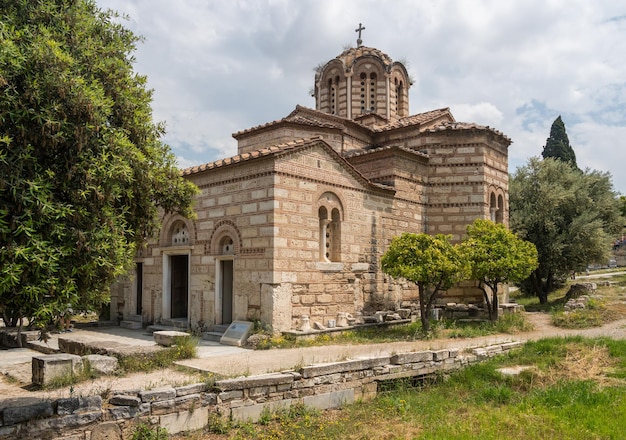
220, 66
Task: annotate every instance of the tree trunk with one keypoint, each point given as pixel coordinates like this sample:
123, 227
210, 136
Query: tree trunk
538, 288
481, 285
494, 304
19, 334
423, 309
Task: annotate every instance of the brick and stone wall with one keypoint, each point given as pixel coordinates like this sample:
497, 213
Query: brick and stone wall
192, 407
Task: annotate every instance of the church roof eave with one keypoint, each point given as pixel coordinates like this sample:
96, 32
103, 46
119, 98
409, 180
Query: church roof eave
468, 126
282, 149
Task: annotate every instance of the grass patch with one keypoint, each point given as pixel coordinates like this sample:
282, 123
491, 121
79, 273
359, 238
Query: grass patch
143, 431
575, 390
185, 348
509, 323
595, 315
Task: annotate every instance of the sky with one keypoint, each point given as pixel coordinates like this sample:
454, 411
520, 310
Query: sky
221, 66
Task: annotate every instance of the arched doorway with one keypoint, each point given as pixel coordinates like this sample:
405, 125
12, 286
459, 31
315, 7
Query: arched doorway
225, 281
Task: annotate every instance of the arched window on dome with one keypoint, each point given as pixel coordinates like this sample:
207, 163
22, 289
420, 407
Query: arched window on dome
372, 92
400, 102
363, 78
333, 95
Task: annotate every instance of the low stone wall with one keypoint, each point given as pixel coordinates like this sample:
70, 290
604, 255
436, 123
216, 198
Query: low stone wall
191, 407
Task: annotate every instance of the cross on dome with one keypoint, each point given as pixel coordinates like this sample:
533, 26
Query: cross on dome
359, 30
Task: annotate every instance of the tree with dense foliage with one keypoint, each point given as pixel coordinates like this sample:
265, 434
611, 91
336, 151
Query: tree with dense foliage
83, 172
431, 262
497, 256
558, 146
569, 215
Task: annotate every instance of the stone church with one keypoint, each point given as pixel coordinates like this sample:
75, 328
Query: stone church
295, 223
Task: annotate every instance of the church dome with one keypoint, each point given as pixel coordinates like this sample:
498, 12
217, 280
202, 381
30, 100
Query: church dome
360, 81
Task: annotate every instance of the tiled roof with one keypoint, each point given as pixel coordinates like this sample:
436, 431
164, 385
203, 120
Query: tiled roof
417, 119
459, 126
348, 56
296, 117
268, 151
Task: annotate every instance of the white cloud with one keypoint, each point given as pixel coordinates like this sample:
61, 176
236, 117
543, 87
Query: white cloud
219, 67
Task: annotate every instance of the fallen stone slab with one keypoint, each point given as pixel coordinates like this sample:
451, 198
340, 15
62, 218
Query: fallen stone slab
167, 338
101, 364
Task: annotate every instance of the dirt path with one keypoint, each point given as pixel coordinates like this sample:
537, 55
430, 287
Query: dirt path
261, 362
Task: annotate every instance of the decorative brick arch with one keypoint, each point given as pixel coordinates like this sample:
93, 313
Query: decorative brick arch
172, 225
222, 230
495, 202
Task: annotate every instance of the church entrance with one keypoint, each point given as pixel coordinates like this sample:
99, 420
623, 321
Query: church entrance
139, 288
226, 290
179, 286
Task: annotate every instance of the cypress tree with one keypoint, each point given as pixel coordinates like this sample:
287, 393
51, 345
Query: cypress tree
557, 145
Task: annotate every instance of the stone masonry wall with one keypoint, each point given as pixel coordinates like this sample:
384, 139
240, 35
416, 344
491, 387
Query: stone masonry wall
192, 407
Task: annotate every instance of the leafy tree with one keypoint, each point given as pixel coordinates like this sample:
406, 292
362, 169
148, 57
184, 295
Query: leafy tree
431, 262
497, 256
83, 172
570, 216
557, 145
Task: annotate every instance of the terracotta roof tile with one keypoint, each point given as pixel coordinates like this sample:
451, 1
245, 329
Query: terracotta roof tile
459, 126
417, 119
267, 151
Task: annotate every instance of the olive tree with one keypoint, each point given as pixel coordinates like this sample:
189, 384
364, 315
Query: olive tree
569, 215
84, 175
431, 262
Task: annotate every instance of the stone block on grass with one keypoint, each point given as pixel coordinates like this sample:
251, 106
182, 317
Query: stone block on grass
48, 367
166, 338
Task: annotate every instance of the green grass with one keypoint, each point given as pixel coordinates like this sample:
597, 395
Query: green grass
509, 323
565, 396
185, 348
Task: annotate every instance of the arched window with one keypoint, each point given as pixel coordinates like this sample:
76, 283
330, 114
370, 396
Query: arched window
493, 207
330, 228
399, 98
500, 211
333, 95
180, 234
372, 92
363, 77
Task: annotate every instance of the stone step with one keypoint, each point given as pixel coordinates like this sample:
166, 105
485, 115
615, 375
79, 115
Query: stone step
137, 318
51, 347
216, 332
132, 325
178, 323
212, 336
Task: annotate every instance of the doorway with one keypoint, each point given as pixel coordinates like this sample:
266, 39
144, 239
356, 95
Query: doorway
138, 288
226, 291
179, 286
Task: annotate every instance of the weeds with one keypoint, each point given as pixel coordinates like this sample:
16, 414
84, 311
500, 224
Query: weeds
185, 348
564, 395
71, 377
146, 432
595, 314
